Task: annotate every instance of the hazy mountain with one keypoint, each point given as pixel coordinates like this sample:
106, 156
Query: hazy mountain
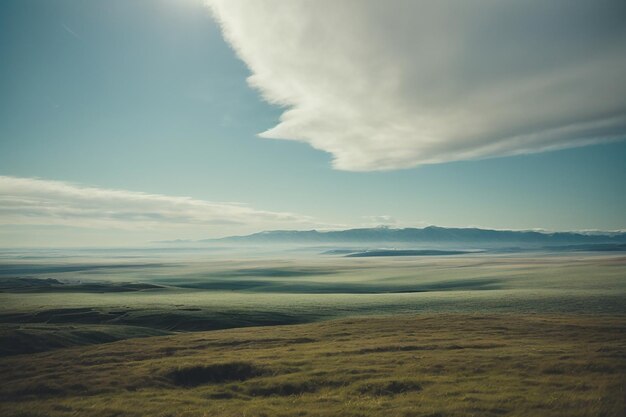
432, 235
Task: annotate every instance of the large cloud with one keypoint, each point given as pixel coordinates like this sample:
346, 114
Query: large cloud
28, 201
394, 84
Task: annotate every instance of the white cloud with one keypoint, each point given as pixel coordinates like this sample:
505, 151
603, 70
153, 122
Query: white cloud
394, 84
28, 201
382, 220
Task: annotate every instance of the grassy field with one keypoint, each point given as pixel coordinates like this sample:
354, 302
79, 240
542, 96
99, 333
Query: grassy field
540, 334
426, 365
52, 302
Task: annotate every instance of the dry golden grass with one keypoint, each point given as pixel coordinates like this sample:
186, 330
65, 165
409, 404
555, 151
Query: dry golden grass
428, 365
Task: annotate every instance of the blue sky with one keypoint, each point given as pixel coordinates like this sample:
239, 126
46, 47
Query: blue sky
148, 97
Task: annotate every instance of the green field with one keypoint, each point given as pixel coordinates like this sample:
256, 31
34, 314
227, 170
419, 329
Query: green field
425, 365
473, 334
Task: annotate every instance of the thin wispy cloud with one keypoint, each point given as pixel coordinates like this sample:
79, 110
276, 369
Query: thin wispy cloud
29, 201
71, 32
381, 220
395, 84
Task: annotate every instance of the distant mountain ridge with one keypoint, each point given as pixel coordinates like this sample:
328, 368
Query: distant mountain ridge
427, 235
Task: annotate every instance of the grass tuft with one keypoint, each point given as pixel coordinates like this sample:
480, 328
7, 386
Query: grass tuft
214, 374
388, 388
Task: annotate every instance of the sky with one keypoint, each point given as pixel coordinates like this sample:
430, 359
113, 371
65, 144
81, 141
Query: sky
124, 122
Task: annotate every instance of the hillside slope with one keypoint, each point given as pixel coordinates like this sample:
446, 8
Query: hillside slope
429, 365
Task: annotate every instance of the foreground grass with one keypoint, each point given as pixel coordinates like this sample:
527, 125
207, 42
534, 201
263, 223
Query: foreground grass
429, 365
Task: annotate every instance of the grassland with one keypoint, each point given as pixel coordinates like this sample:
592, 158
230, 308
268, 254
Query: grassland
541, 334
53, 302
425, 365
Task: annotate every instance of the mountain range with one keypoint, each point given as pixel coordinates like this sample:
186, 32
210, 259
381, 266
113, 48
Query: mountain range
432, 236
